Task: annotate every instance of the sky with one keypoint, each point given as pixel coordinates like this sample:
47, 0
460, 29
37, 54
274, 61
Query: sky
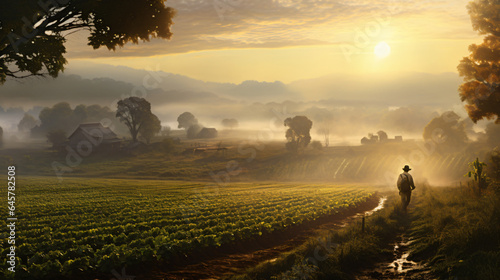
283, 40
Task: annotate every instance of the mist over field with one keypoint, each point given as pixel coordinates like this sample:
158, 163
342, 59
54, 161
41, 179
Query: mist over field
349, 107
343, 110
243, 140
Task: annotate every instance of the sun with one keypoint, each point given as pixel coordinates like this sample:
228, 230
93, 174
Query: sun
382, 49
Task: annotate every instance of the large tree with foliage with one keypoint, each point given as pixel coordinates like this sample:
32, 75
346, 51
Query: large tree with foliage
32, 33
230, 123
446, 131
135, 113
481, 69
57, 117
298, 133
492, 133
186, 120
382, 136
62, 116
57, 137
26, 123
151, 127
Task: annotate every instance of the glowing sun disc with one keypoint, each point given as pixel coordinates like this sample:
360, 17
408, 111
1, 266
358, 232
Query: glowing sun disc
382, 50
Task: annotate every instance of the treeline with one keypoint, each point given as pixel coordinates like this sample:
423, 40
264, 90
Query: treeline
448, 132
133, 116
62, 117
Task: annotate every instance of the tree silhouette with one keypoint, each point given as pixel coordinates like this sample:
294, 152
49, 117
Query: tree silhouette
326, 133
32, 33
192, 131
447, 131
230, 123
365, 141
382, 136
481, 69
61, 116
26, 123
56, 137
150, 128
493, 135
57, 117
371, 139
134, 112
298, 134
186, 120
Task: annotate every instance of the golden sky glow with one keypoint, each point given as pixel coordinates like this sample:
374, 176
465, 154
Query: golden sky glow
291, 40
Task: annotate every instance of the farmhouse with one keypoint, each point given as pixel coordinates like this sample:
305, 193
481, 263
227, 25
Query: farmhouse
98, 136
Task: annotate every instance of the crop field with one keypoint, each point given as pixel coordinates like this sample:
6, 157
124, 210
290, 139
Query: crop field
335, 164
82, 227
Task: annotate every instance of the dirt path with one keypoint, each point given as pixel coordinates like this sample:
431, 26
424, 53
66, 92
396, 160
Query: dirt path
235, 259
398, 267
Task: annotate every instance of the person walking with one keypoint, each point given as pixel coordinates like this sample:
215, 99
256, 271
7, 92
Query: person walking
405, 186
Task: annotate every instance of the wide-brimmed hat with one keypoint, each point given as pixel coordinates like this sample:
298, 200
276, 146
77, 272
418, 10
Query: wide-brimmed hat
406, 168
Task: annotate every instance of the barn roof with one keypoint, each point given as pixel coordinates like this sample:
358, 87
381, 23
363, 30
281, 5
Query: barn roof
96, 130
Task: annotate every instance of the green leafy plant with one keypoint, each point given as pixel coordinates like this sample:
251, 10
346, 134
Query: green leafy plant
478, 173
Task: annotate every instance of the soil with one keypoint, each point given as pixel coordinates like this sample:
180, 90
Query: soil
397, 266
235, 258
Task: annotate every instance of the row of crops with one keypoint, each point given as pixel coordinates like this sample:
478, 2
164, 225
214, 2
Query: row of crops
353, 166
83, 227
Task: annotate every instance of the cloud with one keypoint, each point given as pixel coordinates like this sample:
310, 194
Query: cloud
230, 24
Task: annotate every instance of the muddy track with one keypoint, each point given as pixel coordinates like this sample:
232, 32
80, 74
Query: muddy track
397, 266
233, 258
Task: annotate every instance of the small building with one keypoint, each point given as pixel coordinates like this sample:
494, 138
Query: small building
207, 133
398, 138
94, 135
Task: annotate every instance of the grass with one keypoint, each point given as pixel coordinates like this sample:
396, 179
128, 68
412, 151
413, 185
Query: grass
148, 165
336, 254
458, 233
244, 161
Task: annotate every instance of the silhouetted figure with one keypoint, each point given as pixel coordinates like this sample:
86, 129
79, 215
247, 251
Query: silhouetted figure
405, 186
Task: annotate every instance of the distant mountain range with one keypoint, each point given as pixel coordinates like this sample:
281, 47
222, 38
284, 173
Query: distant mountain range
89, 82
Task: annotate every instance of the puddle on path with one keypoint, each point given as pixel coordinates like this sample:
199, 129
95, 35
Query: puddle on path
400, 268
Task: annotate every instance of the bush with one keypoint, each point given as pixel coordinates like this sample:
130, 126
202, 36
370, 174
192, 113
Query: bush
316, 145
56, 137
192, 131
457, 234
493, 168
167, 145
